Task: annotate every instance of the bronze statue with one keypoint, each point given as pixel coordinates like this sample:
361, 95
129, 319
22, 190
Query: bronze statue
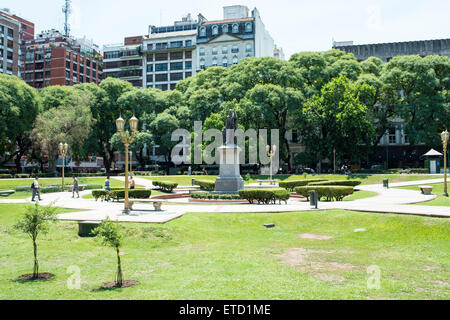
231, 127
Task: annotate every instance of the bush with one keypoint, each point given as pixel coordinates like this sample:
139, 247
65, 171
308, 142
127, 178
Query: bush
165, 186
97, 194
205, 184
132, 194
6, 176
329, 192
290, 185
208, 195
265, 196
352, 183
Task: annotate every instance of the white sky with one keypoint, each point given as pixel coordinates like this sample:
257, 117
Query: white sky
295, 25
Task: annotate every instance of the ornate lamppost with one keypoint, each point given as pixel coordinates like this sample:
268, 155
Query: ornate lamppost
126, 139
270, 154
63, 148
445, 137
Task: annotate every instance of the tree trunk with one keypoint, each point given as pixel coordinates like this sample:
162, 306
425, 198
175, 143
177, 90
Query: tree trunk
36, 264
119, 277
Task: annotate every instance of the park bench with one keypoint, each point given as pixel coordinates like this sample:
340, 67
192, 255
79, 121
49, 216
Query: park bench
6, 193
271, 182
426, 190
85, 228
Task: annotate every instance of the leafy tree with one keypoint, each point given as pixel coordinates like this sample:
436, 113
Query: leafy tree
70, 123
141, 140
203, 102
113, 237
54, 96
19, 107
336, 119
36, 221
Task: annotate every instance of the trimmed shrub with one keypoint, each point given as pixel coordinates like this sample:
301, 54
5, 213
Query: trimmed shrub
290, 185
352, 183
265, 196
97, 194
165, 186
337, 193
132, 194
6, 176
208, 195
205, 184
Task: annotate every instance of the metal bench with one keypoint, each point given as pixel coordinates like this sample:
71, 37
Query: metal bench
271, 182
426, 190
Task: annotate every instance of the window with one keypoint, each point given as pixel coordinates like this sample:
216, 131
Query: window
150, 46
149, 78
188, 65
202, 63
188, 54
149, 57
149, 68
203, 32
248, 27
214, 61
47, 73
202, 51
112, 55
392, 136
176, 44
161, 67
235, 49
161, 57
173, 86
188, 43
161, 45
161, 77
188, 74
248, 47
224, 50
9, 55
48, 63
176, 76
225, 28
225, 62
176, 66
215, 30
214, 50
235, 60
235, 28
176, 55
10, 33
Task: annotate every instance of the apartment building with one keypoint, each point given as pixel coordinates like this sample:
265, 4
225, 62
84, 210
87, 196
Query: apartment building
55, 59
13, 31
238, 35
169, 54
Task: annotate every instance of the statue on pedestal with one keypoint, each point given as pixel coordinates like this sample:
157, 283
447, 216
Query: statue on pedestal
230, 128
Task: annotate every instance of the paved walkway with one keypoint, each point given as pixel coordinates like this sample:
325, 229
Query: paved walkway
387, 201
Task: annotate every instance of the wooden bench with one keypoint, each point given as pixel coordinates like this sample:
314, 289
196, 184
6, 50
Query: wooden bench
426, 190
271, 182
6, 193
85, 228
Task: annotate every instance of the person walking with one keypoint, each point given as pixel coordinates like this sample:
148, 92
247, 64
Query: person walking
36, 189
132, 183
107, 184
75, 188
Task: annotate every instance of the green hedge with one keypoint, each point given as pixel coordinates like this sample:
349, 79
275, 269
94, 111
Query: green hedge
265, 196
337, 193
6, 176
165, 186
352, 183
290, 185
120, 194
205, 184
211, 196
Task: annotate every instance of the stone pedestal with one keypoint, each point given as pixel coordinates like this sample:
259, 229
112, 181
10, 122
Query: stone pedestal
230, 180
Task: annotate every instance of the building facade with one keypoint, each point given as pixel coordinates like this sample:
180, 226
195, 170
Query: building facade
54, 59
386, 51
169, 54
13, 31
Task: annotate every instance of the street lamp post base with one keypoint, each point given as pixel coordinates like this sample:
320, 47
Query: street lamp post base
126, 211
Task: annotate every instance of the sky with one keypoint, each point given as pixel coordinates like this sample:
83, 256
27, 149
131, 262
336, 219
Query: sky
295, 25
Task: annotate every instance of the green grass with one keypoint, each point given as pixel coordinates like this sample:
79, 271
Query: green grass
360, 194
438, 189
232, 256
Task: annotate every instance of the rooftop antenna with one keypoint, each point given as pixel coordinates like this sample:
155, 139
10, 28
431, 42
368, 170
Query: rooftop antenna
67, 10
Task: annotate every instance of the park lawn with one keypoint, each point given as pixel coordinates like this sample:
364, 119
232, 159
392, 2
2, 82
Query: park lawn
438, 189
232, 256
360, 194
181, 180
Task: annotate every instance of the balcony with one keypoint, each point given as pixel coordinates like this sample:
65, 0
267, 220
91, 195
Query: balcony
166, 48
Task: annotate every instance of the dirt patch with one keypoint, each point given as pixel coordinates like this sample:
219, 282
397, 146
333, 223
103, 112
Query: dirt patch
314, 236
41, 276
125, 284
303, 260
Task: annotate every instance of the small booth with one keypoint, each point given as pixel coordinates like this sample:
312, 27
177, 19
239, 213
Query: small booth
433, 161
